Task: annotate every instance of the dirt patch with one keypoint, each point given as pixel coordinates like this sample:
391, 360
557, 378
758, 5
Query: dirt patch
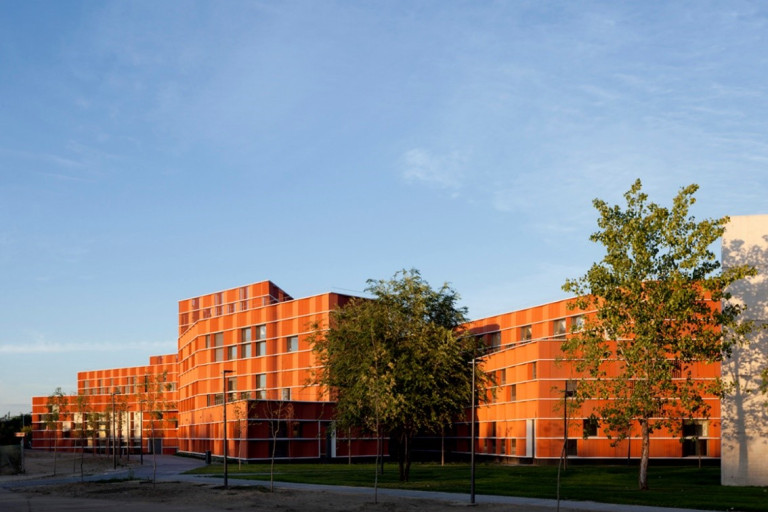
202, 497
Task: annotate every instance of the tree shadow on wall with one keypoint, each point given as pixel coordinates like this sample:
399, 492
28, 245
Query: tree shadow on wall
744, 408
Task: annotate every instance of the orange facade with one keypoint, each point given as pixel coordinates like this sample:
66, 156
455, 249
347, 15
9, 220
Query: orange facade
133, 408
250, 346
524, 412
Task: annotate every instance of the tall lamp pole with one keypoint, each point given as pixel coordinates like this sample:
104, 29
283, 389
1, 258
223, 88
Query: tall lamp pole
224, 390
114, 431
472, 441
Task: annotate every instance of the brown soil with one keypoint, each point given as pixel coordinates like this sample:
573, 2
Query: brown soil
203, 497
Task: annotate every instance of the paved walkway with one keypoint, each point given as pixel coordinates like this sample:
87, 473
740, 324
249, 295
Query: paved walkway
171, 469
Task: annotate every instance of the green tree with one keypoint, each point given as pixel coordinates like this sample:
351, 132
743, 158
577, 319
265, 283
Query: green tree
152, 397
398, 364
57, 410
656, 294
81, 408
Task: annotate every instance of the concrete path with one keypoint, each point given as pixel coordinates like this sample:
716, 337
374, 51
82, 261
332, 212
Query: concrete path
171, 469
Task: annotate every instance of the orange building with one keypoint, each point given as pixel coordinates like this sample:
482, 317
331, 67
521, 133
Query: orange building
525, 412
133, 408
250, 346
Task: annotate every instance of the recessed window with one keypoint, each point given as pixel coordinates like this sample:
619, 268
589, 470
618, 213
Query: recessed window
558, 328
534, 370
494, 341
261, 348
512, 393
526, 333
285, 394
245, 350
590, 427
245, 335
261, 332
577, 323
231, 352
292, 344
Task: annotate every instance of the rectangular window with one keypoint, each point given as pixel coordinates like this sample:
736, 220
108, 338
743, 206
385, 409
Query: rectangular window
207, 341
526, 333
558, 328
218, 339
695, 428
286, 394
494, 341
261, 348
503, 376
534, 373
570, 388
231, 352
261, 332
218, 354
513, 393
292, 344
572, 448
577, 323
245, 335
243, 298
231, 383
245, 350
261, 381
589, 427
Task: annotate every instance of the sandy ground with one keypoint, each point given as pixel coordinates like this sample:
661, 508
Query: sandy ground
202, 497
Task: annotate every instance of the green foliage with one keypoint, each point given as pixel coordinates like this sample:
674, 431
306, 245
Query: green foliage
398, 363
9, 425
656, 294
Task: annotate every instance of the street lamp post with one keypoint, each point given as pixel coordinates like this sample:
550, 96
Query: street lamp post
224, 390
472, 441
114, 431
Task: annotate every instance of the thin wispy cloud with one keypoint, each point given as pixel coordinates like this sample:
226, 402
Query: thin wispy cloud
442, 171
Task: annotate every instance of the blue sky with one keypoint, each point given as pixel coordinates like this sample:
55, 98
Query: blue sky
154, 151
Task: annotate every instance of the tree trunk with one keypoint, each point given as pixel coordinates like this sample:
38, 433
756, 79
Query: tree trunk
646, 440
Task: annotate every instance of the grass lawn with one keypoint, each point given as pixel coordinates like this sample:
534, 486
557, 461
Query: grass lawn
686, 487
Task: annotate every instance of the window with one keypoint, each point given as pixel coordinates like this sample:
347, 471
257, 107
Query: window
243, 298
207, 341
677, 370
285, 394
558, 328
245, 350
261, 332
261, 348
245, 335
218, 339
577, 323
695, 428
526, 333
260, 383
513, 393
231, 389
231, 352
589, 426
494, 341
503, 376
218, 354
572, 448
534, 373
292, 344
